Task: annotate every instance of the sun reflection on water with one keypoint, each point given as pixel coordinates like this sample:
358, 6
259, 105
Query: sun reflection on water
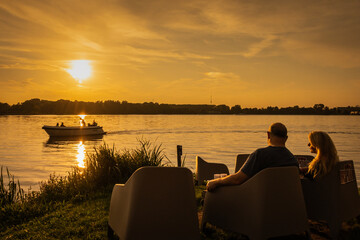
80, 157
82, 119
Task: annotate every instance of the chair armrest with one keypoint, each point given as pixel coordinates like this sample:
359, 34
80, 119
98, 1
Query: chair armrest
119, 206
269, 199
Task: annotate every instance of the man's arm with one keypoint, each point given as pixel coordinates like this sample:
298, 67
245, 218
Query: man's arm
233, 179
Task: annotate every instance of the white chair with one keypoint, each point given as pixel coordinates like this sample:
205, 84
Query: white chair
333, 198
240, 160
206, 170
269, 204
155, 203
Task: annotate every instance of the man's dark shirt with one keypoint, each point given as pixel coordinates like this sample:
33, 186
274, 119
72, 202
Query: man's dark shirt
268, 157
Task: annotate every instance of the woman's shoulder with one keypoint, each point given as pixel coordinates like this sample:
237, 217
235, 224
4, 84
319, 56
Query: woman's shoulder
309, 175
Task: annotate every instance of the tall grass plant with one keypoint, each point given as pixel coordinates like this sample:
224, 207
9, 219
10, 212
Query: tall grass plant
103, 168
10, 192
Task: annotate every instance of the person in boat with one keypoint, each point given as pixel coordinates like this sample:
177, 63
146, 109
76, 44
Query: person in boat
62, 124
57, 124
326, 155
94, 123
274, 155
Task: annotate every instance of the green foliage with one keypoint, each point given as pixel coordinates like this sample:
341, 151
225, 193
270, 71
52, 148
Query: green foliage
12, 192
103, 169
71, 220
107, 167
199, 196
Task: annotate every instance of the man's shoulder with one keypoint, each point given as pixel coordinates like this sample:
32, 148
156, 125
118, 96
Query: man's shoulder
275, 148
271, 151
271, 148
260, 152
261, 149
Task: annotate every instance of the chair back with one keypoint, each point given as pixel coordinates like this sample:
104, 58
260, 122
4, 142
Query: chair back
269, 204
155, 203
333, 198
348, 192
304, 159
205, 170
240, 160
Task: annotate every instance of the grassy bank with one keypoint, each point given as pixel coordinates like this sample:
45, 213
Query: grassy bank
104, 168
67, 220
80, 219
77, 206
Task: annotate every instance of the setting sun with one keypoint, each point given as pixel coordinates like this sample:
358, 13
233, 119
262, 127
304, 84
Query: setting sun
80, 70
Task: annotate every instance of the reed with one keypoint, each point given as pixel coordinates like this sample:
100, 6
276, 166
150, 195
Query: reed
11, 191
103, 168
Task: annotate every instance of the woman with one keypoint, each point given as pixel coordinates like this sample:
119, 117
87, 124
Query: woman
326, 154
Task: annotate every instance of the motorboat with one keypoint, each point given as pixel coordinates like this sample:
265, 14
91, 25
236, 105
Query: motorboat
73, 131
66, 139
58, 131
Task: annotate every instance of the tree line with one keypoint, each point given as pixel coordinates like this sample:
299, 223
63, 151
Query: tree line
36, 106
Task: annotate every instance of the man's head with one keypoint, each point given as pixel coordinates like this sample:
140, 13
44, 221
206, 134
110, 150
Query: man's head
277, 134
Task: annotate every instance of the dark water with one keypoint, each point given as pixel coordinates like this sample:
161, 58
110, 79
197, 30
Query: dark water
29, 154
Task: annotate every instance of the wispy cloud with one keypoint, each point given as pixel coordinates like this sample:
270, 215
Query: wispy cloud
142, 30
225, 39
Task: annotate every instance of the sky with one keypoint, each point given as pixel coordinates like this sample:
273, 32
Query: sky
236, 52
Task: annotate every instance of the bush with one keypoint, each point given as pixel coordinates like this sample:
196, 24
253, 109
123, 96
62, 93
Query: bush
102, 170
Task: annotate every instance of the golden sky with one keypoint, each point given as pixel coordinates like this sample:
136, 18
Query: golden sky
252, 53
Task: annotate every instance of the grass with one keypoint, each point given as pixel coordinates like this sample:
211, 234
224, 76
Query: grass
77, 206
69, 220
11, 192
103, 169
80, 219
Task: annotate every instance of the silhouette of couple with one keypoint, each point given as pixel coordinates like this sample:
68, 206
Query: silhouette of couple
277, 155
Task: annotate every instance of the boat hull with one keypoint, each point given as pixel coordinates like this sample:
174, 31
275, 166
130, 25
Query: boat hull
55, 131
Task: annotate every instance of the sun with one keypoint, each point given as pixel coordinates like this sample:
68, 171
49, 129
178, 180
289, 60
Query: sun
80, 69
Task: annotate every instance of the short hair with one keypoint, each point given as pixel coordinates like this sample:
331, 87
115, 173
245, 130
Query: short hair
278, 129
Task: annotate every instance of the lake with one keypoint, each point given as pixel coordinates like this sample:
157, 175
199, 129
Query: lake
31, 157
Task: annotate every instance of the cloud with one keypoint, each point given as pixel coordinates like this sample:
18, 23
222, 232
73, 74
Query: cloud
256, 48
219, 78
323, 54
142, 32
189, 45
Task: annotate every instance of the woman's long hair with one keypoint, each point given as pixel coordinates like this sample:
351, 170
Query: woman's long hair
326, 157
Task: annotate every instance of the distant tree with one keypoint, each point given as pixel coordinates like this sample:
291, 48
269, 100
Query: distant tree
222, 109
236, 109
37, 106
4, 108
319, 106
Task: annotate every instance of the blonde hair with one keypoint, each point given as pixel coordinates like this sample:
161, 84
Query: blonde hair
326, 157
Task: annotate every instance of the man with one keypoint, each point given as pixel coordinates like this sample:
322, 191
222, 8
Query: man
275, 155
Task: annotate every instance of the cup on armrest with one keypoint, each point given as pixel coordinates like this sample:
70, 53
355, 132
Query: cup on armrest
219, 175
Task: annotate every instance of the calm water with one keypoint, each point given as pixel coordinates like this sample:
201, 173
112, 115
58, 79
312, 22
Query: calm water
31, 157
